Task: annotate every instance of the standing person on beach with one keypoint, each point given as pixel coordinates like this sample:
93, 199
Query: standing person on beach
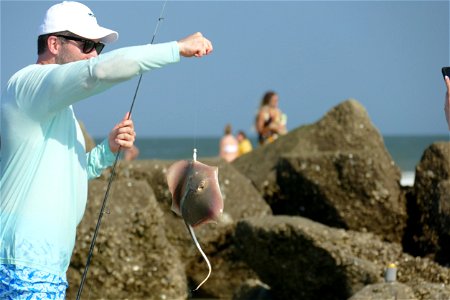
245, 145
270, 121
44, 168
447, 102
228, 145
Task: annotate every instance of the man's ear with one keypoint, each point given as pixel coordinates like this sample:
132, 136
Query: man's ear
53, 44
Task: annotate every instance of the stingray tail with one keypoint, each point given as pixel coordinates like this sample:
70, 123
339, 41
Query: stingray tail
192, 233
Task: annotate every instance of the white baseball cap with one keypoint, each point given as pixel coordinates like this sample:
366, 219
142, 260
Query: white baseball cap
76, 18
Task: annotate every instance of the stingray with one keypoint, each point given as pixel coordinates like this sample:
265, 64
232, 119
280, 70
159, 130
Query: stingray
196, 197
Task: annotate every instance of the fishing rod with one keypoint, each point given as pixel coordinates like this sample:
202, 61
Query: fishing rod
113, 172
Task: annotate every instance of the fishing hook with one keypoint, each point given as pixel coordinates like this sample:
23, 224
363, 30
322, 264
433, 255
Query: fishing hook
105, 199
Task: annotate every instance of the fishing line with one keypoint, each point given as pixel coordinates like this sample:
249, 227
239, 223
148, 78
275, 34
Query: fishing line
194, 160
196, 96
113, 171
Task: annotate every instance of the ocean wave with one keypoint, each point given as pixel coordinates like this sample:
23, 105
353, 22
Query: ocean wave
407, 178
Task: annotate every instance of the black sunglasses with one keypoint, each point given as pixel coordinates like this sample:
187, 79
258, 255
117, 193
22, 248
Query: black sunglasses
88, 45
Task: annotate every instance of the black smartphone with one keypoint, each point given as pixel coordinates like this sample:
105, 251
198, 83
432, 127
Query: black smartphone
446, 71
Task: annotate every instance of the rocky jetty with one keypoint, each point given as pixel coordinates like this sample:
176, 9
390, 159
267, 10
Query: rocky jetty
336, 171
318, 214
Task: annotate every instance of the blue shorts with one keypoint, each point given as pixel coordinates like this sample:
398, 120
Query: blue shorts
17, 282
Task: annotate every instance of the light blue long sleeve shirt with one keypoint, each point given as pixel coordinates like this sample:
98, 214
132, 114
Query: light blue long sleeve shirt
43, 167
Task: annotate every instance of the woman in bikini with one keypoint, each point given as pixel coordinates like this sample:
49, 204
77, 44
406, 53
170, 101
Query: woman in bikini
270, 121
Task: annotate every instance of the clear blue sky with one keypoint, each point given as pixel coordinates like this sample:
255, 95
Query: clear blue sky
387, 55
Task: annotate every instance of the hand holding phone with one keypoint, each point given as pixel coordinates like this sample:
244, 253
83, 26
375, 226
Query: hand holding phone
446, 72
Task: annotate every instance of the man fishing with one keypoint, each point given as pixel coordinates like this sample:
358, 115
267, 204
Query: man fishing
44, 168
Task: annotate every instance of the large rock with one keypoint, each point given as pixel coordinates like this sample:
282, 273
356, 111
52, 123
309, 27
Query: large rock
241, 200
429, 206
301, 259
336, 171
134, 259
333, 189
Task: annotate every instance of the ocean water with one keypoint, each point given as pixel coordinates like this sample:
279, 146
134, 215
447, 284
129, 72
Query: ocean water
405, 150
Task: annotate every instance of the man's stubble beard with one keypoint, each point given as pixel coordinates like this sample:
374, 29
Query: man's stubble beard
65, 57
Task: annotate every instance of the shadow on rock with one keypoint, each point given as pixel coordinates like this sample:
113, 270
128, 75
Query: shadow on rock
304, 196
